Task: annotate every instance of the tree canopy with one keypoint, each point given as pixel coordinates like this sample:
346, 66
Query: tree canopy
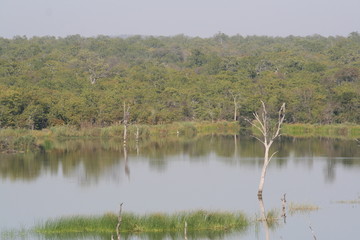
47, 81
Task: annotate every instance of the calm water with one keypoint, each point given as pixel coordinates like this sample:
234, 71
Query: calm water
212, 173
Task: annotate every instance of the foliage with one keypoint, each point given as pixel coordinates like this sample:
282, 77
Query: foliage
48, 81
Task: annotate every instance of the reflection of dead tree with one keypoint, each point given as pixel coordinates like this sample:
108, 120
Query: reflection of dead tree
283, 207
263, 124
127, 169
185, 231
126, 122
118, 224
264, 219
269, 221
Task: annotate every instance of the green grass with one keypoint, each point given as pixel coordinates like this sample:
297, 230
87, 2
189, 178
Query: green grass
333, 131
151, 223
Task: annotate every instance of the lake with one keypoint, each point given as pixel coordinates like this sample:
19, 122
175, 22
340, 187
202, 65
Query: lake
92, 177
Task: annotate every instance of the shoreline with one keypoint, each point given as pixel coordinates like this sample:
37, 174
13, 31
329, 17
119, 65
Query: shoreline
25, 140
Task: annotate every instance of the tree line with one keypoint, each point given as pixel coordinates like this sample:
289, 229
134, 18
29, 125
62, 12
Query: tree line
49, 81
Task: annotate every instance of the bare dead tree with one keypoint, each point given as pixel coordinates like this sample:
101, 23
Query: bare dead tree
235, 97
126, 121
137, 140
268, 135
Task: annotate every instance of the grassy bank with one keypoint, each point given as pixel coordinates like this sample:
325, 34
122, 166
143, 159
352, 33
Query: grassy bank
19, 140
157, 222
332, 131
22, 140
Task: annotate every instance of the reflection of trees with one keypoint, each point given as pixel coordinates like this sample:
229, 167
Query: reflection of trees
91, 160
15, 167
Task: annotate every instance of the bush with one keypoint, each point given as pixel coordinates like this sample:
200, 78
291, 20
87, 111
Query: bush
25, 143
188, 130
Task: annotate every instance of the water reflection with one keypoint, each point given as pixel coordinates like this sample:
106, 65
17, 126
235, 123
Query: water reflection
91, 160
127, 168
147, 236
175, 174
264, 219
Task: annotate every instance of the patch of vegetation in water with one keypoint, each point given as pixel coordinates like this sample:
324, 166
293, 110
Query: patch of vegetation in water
353, 201
157, 222
302, 208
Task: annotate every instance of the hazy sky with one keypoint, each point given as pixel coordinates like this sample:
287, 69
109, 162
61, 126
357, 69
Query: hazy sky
202, 18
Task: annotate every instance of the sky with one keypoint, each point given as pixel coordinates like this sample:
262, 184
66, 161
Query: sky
203, 18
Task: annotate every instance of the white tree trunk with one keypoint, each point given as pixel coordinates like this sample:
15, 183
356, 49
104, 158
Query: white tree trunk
125, 121
235, 109
263, 171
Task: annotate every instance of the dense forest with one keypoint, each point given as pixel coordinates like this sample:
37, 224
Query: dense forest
48, 81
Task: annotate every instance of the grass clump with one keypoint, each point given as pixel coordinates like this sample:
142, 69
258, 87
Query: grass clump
301, 208
150, 223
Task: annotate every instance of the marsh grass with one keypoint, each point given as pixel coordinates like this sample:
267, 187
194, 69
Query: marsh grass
156, 222
272, 218
347, 131
15, 234
353, 201
301, 208
24, 140
349, 201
